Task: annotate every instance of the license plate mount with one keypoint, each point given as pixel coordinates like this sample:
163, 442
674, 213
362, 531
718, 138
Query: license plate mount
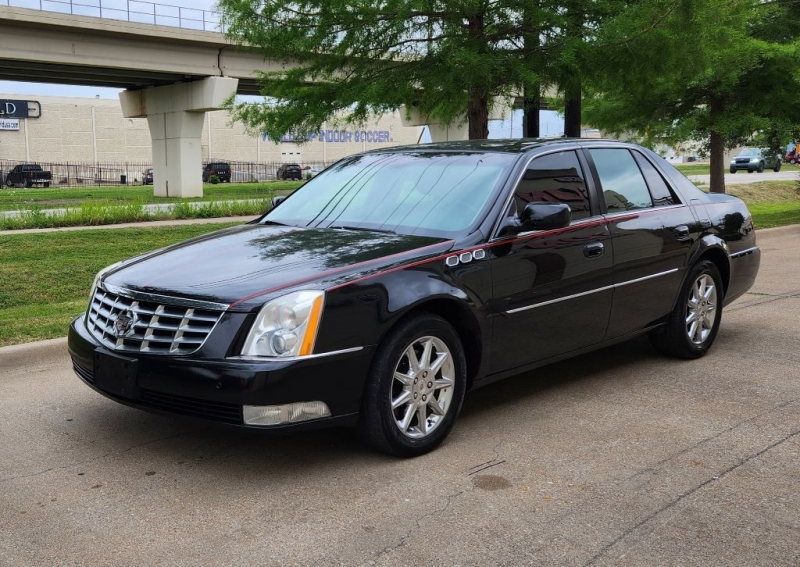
116, 374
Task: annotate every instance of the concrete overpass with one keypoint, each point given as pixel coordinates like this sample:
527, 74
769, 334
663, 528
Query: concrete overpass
172, 76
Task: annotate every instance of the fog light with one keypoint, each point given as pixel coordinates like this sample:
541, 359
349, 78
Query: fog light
290, 413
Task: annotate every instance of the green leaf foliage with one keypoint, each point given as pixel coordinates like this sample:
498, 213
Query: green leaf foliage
358, 59
721, 72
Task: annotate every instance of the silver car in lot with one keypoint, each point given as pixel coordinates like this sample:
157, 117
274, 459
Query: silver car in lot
755, 159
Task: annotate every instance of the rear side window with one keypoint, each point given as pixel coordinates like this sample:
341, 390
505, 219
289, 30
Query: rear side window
555, 178
624, 187
659, 189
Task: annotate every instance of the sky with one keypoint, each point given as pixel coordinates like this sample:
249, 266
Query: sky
551, 123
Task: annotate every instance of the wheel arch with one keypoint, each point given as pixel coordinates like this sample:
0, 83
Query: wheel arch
463, 321
715, 253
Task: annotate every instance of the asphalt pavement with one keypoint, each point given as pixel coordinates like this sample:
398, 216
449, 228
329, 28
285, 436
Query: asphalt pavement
620, 457
743, 178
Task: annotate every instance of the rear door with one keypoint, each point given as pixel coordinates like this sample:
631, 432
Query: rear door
652, 232
551, 290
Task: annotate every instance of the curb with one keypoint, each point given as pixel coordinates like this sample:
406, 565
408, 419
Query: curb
40, 353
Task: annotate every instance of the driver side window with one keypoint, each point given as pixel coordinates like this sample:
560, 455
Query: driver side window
554, 178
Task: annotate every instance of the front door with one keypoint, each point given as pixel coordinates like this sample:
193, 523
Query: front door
551, 289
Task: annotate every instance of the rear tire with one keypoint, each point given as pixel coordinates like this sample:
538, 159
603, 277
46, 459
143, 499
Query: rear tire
777, 167
692, 326
415, 388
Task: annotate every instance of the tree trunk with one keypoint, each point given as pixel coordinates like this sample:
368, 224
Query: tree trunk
478, 115
572, 111
478, 108
572, 78
530, 119
717, 144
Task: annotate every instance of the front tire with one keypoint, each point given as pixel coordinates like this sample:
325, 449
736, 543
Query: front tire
415, 388
760, 167
733, 170
692, 326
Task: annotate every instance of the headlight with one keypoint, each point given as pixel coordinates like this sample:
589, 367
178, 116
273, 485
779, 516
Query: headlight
753, 160
286, 326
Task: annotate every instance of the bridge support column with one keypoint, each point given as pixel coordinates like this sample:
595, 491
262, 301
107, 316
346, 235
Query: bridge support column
175, 115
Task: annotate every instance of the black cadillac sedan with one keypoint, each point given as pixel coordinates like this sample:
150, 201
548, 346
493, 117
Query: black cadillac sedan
395, 281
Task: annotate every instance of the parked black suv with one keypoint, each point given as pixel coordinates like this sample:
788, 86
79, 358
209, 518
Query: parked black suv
218, 168
289, 171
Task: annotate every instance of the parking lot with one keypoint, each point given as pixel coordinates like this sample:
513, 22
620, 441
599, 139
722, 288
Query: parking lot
620, 457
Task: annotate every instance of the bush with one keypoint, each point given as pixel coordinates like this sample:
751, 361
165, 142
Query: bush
213, 179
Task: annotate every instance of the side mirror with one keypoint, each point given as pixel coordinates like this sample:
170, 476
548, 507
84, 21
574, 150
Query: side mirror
545, 216
278, 200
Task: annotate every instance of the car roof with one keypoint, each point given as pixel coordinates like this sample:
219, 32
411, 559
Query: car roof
514, 146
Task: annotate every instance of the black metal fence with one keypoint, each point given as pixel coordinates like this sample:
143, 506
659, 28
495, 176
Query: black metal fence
84, 174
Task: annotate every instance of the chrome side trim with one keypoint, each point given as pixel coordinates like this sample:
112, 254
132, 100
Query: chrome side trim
743, 252
164, 299
650, 277
584, 293
560, 299
294, 358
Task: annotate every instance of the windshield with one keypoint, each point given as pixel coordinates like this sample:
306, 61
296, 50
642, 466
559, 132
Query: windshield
749, 152
435, 194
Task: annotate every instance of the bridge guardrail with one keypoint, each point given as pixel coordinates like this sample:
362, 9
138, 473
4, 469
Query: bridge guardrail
135, 11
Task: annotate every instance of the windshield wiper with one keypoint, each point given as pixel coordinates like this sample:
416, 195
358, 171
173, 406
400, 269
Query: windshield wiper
361, 228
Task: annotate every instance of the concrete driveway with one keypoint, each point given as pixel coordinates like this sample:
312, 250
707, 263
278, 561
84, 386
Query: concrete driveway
621, 457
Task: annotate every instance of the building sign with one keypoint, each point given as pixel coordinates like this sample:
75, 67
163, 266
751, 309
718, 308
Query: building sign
9, 123
339, 137
20, 108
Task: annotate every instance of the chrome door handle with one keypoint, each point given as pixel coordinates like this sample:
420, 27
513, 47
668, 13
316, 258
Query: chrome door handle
682, 232
594, 250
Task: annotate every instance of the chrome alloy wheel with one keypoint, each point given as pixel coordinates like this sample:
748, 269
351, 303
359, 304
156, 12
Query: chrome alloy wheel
701, 309
422, 387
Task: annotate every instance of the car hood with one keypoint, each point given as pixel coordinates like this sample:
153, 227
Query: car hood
244, 266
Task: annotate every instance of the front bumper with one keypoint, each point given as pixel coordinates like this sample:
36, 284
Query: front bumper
216, 390
748, 166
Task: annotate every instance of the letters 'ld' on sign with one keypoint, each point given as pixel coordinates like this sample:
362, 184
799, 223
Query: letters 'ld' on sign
20, 108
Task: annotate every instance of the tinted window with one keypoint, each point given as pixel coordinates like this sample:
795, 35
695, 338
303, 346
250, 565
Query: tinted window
658, 187
624, 187
424, 193
555, 178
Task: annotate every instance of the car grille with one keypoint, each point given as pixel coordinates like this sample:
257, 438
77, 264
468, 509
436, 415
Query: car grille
156, 328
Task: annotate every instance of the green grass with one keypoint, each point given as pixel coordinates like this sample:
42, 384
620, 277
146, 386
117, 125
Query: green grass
54, 197
45, 278
693, 168
769, 215
92, 213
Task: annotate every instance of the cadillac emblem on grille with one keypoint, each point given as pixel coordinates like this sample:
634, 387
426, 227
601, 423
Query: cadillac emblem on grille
124, 323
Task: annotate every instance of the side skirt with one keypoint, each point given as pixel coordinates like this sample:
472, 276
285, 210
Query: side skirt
553, 359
